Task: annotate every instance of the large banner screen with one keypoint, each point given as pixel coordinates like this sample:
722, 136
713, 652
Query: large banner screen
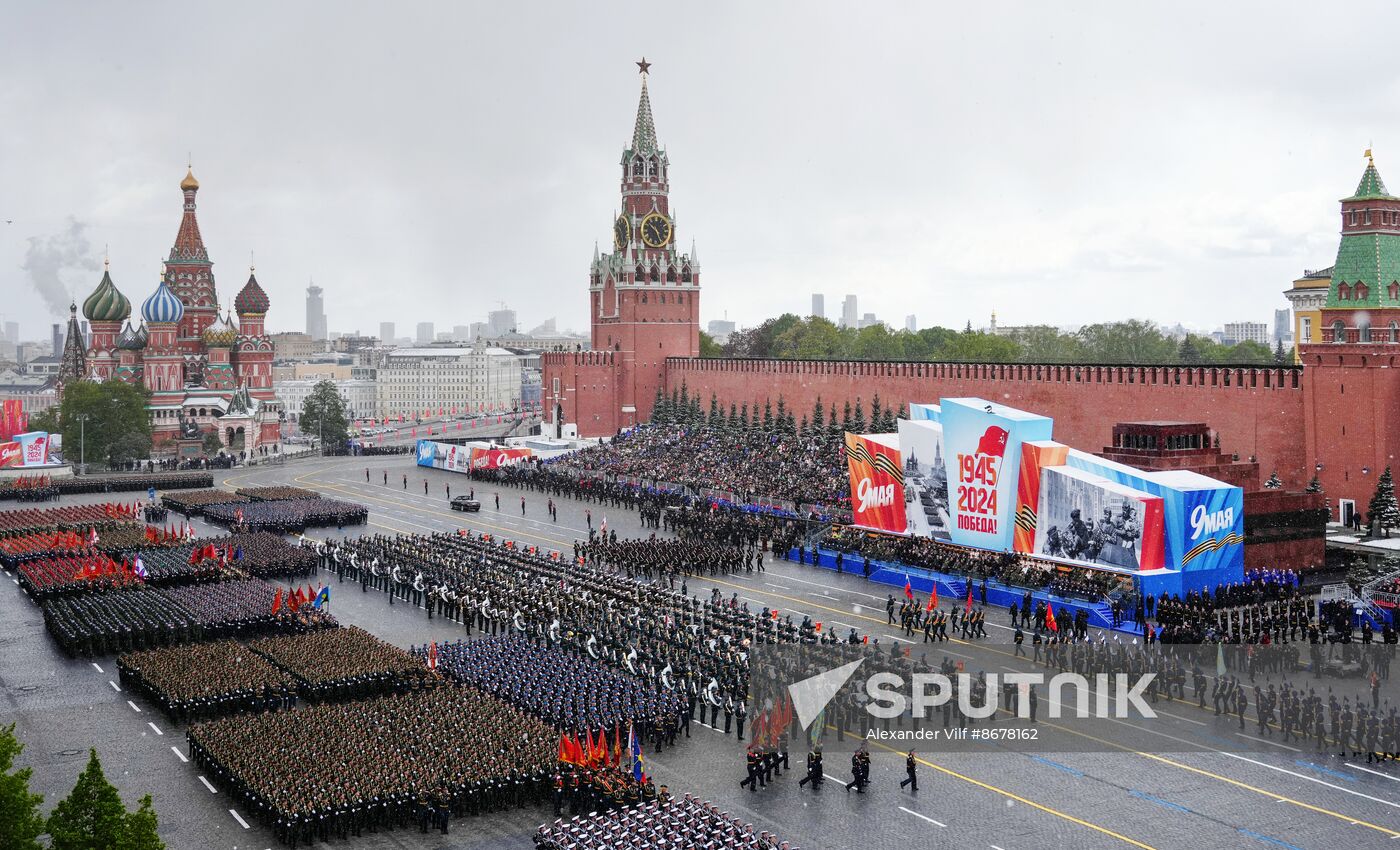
925, 479
495, 457
1086, 518
877, 482
982, 442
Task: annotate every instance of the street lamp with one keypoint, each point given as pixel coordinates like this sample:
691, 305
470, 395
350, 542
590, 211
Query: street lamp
82, 440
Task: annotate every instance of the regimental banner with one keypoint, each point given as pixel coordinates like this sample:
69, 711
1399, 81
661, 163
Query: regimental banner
877, 482
925, 478
982, 444
1036, 456
1087, 518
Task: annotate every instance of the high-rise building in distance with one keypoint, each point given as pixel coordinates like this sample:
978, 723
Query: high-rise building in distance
818, 305
1283, 325
501, 321
911, 323
386, 333
315, 312
425, 333
850, 316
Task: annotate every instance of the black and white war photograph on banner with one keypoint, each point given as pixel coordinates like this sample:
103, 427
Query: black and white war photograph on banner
925, 479
1086, 518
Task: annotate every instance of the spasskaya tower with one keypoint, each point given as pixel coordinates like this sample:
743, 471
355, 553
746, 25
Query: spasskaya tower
644, 301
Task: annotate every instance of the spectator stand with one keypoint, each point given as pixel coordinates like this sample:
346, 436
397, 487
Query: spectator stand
953, 588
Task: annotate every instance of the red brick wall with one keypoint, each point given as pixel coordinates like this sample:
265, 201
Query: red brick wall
1256, 411
588, 383
1351, 416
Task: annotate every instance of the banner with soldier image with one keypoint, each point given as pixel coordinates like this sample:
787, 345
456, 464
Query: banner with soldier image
1085, 518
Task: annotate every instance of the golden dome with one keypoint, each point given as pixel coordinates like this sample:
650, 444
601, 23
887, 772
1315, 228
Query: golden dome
189, 182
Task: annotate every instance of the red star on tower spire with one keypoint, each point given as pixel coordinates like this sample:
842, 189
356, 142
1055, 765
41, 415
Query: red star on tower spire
643, 65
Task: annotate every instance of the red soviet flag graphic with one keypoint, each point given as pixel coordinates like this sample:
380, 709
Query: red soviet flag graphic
993, 442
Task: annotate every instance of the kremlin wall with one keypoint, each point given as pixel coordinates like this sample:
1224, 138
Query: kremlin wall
1336, 416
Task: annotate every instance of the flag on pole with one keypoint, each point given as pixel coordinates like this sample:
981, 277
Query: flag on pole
1220, 659
324, 598
932, 597
277, 601
432, 653
634, 746
1050, 618
968, 607
139, 569
92, 536
908, 588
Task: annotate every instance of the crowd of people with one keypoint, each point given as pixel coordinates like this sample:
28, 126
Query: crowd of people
45, 487
290, 516
206, 680
343, 664
142, 617
336, 770
664, 823
571, 692
194, 502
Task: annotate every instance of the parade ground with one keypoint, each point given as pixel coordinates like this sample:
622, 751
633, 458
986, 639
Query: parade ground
1132, 790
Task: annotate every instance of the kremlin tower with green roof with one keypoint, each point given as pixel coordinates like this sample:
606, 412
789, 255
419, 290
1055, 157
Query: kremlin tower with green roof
1363, 299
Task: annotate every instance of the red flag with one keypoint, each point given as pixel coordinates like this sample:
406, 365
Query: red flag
818, 628
1050, 618
564, 753
432, 656
603, 747
194, 556
933, 597
968, 607
908, 588
277, 601
588, 748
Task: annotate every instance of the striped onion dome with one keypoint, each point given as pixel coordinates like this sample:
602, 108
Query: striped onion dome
162, 306
251, 298
221, 334
143, 335
106, 303
130, 340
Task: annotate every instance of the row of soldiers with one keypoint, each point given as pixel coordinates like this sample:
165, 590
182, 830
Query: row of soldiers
654, 558
206, 680
336, 770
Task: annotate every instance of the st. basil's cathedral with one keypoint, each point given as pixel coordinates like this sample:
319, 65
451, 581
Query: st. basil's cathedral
204, 371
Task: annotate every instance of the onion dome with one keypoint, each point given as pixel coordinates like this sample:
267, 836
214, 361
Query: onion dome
143, 335
130, 340
162, 306
106, 304
251, 298
189, 182
221, 334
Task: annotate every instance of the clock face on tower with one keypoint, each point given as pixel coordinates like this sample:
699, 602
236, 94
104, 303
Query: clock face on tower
656, 230
622, 232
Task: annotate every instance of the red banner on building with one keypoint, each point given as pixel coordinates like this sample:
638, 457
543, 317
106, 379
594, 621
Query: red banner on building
877, 482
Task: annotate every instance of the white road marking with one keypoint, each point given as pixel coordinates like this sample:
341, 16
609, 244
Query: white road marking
241, 822
211, 788
1376, 772
901, 640
1183, 719
781, 586
134, 706
994, 847
1312, 779
838, 589
179, 754
924, 817
114, 686
98, 667
154, 728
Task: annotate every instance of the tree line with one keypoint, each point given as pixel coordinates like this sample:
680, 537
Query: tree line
1133, 341
684, 408
92, 817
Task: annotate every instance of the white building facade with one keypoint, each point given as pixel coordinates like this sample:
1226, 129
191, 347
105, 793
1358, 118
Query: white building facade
471, 380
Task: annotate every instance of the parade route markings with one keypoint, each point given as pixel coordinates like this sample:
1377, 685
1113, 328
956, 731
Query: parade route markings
134, 707
923, 817
178, 754
211, 788
241, 822
154, 728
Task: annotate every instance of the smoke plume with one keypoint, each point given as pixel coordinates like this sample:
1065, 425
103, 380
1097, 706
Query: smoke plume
48, 257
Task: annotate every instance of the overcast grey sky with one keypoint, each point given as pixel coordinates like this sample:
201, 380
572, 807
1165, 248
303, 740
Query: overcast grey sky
1062, 163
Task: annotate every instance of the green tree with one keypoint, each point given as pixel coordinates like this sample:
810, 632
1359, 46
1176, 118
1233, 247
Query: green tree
116, 421
875, 342
323, 414
858, 421
1189, 352
1132, 341
1045, 344
708, 346
20, 821
1279, 354
976, 347
1314, 486
91, 816
212, 443
141, 828
818, 420
1274, 482
1383, 508
759, 341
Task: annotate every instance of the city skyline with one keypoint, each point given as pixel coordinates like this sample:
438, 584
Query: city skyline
450, 222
